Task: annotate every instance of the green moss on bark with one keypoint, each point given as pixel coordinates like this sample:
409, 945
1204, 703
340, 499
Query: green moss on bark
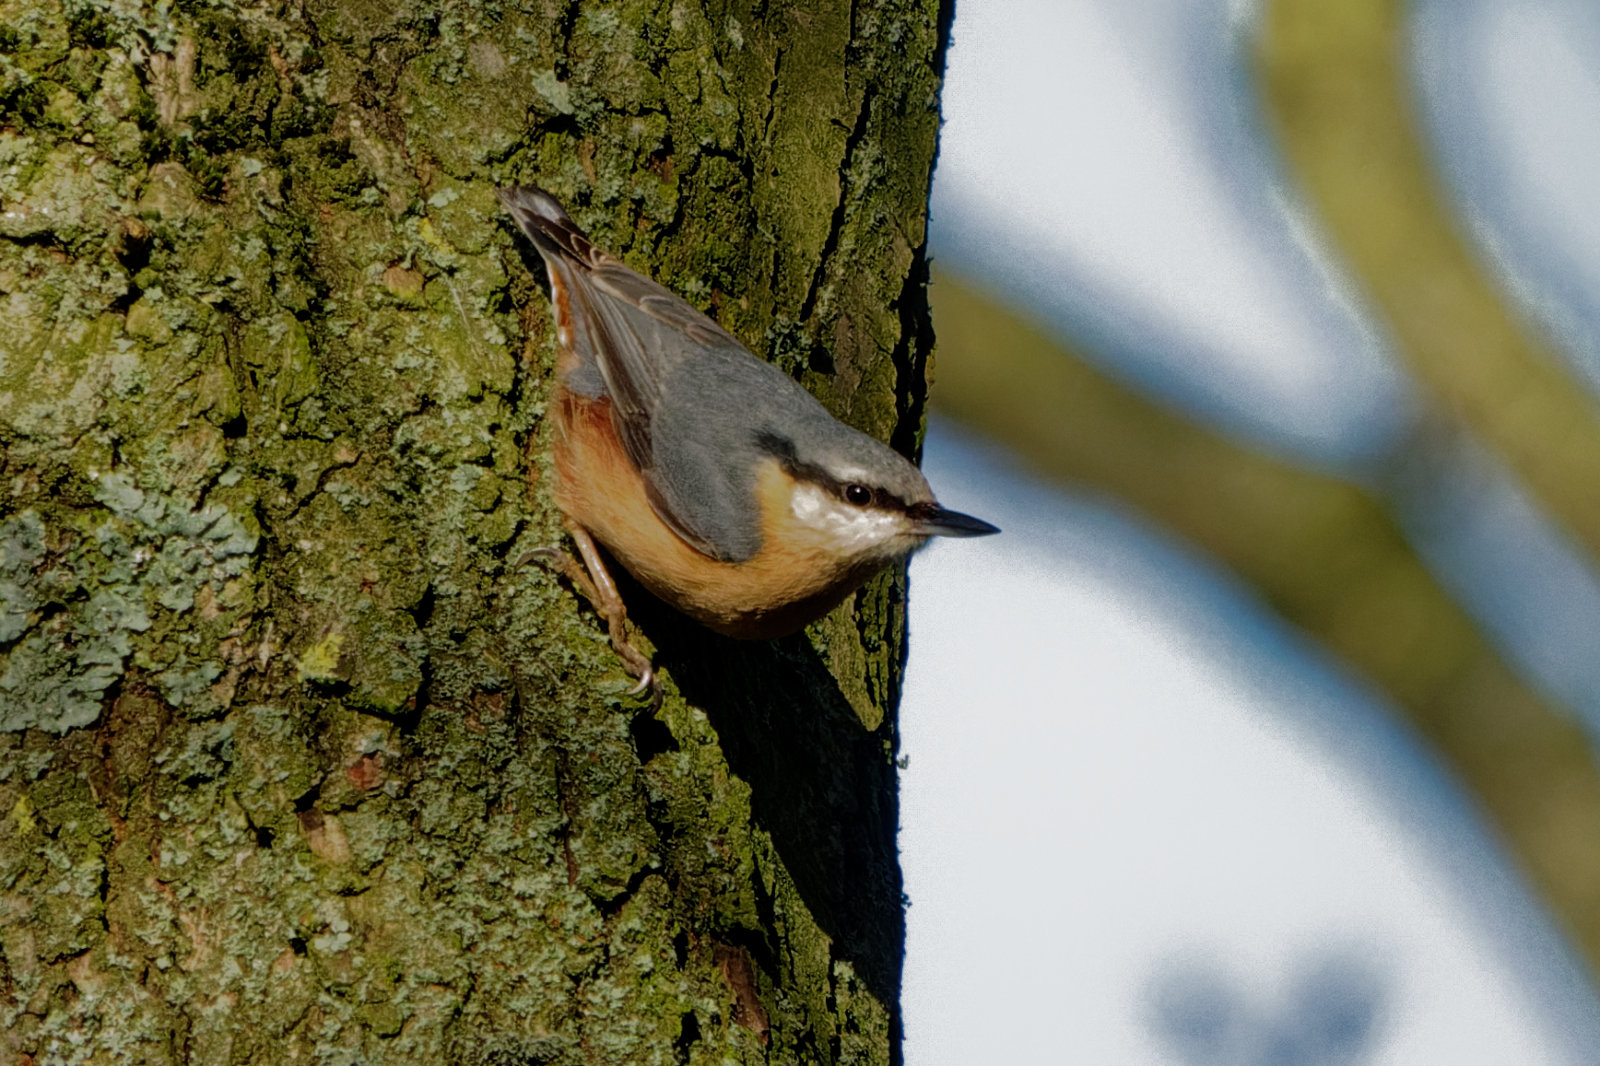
294, 763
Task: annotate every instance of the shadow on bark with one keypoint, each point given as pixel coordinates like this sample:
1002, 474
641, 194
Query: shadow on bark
822, 784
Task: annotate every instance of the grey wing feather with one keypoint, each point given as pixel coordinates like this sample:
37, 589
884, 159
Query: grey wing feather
642, 339
615, 348
595, 331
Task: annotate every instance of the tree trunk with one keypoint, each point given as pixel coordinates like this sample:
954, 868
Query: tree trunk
295, 762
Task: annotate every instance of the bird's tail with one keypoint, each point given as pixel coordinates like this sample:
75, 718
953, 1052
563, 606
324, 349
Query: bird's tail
548, 225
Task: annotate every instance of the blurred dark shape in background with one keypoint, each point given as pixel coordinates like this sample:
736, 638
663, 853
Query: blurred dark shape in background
1330, 1014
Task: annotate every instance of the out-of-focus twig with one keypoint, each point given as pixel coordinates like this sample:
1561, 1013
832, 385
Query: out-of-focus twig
1337, 89
1321, 551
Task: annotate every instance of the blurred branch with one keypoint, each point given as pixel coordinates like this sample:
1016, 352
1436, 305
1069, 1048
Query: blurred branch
1336, 84
1321, 551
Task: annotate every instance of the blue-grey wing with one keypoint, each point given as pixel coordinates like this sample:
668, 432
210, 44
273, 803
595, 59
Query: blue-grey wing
642, 340
726, 412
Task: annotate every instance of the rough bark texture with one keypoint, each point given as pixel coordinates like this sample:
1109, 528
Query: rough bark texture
294, 764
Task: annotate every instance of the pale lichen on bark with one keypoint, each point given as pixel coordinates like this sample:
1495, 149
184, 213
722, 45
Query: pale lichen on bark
295, 764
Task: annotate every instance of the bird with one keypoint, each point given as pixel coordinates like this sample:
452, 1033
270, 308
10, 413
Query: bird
724, 487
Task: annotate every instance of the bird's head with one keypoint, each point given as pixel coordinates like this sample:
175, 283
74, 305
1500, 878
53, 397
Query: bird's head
861, 501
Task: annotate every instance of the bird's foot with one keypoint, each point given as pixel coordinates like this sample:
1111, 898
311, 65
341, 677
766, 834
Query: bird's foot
594, 581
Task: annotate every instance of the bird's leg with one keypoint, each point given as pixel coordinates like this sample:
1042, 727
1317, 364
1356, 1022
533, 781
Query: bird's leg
596, 584
570, 569
610, 604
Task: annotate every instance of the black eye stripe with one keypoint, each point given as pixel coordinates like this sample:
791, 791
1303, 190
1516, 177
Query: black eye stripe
783, 450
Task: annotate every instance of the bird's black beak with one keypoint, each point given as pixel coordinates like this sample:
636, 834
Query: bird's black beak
934, 521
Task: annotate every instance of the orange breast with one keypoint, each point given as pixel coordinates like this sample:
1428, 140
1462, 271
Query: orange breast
793, 580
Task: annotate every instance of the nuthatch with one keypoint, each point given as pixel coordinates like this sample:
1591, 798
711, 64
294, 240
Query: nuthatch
724, 487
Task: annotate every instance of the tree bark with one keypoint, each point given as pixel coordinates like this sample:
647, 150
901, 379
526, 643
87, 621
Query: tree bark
295, 763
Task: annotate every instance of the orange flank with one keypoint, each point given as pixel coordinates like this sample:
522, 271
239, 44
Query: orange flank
796, 577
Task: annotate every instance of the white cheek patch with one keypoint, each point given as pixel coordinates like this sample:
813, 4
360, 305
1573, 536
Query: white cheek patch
852, 529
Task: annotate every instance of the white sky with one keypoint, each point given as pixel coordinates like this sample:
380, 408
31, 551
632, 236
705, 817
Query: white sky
1132, 775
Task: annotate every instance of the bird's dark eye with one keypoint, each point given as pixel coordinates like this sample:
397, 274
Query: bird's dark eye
859, 495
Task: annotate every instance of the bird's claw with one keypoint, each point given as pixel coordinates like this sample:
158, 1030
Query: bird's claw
546, 553
638, 664
650, 682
